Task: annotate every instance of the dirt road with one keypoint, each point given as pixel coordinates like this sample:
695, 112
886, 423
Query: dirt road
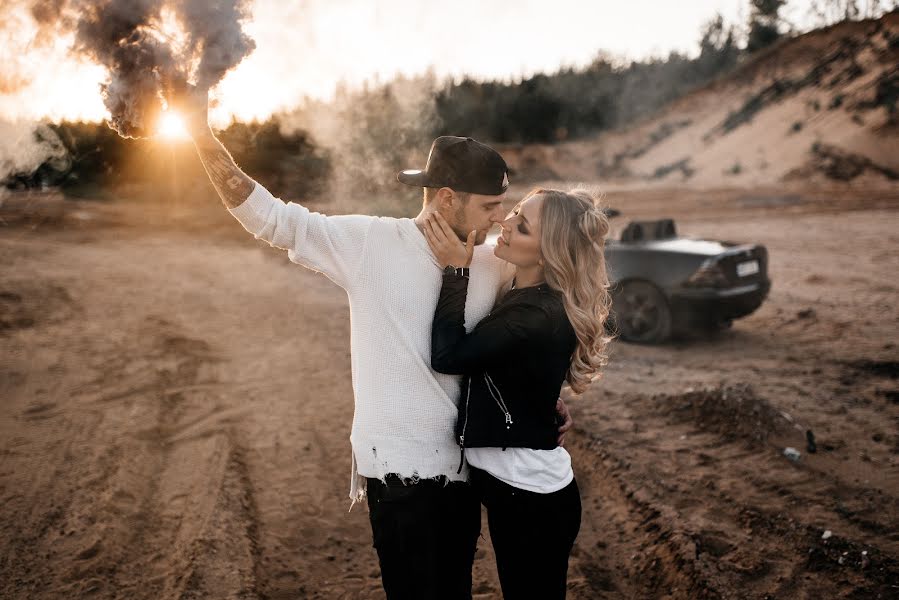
176, 406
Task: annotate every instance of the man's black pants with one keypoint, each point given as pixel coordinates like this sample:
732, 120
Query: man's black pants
426, 534
532, 535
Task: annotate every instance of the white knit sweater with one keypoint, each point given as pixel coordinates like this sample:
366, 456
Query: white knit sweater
405, 412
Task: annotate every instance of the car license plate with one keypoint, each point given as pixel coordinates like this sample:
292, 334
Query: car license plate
745, 269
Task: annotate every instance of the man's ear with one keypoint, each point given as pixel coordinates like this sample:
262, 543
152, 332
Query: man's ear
444, 198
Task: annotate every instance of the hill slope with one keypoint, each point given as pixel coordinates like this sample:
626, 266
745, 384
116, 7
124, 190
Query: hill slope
820, 105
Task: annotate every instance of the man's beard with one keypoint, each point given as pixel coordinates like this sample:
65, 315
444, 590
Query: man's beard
462, 234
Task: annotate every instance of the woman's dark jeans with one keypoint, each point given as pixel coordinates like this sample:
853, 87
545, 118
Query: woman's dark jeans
532, 534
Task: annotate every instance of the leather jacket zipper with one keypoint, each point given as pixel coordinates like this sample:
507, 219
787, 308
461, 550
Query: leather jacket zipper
498, 397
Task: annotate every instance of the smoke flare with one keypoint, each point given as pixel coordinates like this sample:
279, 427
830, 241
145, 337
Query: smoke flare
149, 48
25, 145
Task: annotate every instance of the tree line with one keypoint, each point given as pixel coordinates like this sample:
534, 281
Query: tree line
378, 127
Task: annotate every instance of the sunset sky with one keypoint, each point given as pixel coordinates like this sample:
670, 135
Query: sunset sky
306, 48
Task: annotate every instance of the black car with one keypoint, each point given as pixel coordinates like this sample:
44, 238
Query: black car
664, 285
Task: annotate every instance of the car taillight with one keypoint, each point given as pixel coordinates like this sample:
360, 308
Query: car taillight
709, 274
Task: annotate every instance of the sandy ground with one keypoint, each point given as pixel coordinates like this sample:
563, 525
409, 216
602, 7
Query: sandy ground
176, 405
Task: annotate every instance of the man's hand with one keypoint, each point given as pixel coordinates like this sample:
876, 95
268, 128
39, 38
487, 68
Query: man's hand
192, 103
233, 185
565, 417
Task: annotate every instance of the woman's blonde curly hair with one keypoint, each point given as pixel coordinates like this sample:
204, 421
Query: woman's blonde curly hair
572, 239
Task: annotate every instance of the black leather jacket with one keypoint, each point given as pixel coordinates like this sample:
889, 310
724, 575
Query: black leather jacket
515, 361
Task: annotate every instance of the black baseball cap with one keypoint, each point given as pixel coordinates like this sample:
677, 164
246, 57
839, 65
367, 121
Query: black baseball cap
463, 164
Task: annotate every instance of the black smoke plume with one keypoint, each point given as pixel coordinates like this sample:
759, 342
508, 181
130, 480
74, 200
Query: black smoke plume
144, 65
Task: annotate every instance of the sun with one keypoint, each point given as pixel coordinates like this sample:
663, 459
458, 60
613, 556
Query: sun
171, 126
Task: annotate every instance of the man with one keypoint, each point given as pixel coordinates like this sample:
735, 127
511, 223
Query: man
424, 516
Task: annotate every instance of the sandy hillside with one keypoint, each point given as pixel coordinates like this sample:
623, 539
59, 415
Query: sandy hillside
822, 106
176, 405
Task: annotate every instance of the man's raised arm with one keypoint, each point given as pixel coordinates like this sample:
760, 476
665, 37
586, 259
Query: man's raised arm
331, 245
233, 185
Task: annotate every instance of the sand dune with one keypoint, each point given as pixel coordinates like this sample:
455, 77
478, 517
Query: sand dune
788, 113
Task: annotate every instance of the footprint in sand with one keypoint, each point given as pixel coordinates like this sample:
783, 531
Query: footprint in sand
123, 499
36, 412
89, 552
712, 542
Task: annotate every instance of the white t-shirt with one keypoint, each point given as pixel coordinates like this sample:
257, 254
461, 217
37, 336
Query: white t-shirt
541, 471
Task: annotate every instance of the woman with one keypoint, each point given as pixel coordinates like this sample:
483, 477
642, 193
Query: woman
547, 329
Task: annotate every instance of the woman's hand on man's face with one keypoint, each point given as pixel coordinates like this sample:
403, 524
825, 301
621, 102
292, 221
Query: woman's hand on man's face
446, 246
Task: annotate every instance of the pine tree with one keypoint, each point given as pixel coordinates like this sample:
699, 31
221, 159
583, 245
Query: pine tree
764, 23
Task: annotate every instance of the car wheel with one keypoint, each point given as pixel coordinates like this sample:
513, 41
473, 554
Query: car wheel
641, 312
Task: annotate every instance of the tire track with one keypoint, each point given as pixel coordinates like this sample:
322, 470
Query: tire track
225, 556
627, 546
693, 500
163, 484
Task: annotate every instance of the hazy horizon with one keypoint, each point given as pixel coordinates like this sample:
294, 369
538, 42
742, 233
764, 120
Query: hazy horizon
308, 49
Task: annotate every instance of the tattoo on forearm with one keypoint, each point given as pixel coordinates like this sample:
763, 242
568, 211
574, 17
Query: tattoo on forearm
233, 185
